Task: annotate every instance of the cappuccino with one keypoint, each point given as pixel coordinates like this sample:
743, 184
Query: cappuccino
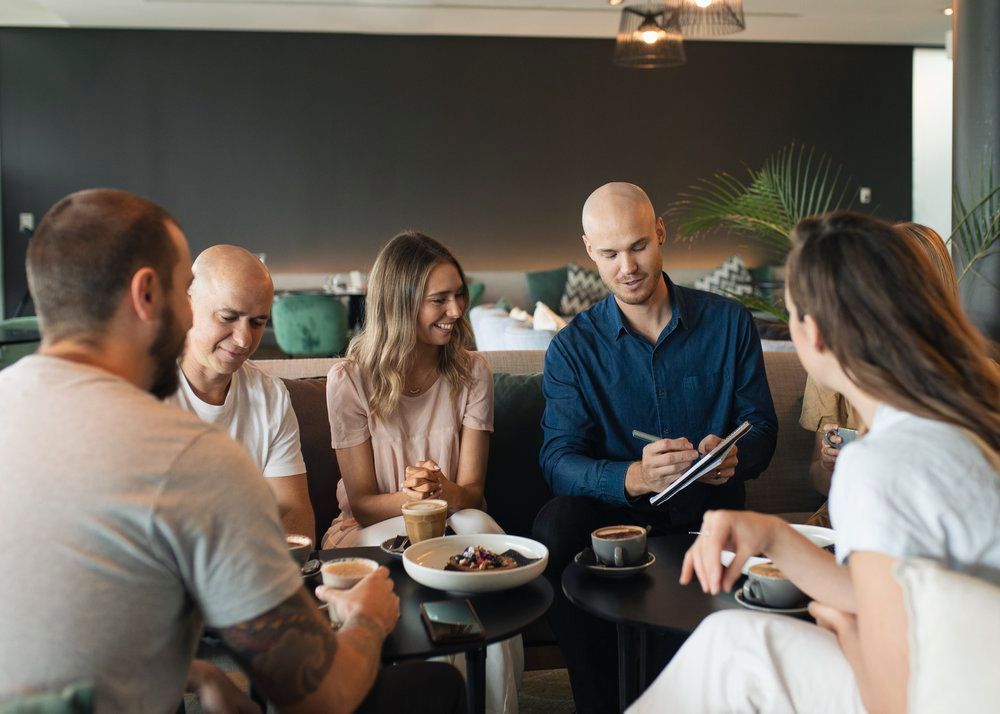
344, 574
425, 519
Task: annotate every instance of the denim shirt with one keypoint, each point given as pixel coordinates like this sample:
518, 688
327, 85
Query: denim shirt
705, 375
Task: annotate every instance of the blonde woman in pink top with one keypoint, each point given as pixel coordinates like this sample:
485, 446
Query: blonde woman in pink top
411, 411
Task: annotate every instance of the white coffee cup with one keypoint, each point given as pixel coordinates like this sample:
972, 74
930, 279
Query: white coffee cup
344, 574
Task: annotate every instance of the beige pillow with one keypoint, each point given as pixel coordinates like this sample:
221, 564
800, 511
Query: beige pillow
954, 636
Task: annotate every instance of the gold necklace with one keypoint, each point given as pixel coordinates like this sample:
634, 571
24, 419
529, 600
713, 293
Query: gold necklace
421, 385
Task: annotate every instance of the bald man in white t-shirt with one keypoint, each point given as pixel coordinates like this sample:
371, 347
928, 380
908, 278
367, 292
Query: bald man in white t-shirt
231, 300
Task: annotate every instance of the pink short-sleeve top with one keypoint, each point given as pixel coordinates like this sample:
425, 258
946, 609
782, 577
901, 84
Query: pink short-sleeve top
425, 426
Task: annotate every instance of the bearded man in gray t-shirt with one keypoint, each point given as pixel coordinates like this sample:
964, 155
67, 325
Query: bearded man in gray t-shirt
115, 546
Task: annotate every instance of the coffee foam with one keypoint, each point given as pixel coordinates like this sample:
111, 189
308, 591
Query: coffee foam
767, 570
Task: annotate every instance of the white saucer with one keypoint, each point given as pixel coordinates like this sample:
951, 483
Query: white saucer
764, 608
819, 535
586, 559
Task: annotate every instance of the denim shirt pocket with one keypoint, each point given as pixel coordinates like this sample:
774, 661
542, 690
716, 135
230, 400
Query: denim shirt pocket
708, 402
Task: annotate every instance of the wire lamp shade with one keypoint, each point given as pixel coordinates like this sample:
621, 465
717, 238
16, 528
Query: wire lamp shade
649, 37
705, 18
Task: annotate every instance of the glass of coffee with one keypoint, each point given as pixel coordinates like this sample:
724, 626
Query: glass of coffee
344, 574
425, 519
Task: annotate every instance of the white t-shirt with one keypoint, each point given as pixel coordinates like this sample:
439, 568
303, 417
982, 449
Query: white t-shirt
124, 523
918, 487
258, 414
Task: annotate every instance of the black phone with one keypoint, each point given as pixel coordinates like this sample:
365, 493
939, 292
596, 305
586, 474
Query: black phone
451, 621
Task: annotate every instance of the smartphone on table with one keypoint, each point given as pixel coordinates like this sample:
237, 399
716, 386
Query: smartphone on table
451, 621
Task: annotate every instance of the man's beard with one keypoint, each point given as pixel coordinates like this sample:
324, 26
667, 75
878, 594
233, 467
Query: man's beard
165, 350
634, 298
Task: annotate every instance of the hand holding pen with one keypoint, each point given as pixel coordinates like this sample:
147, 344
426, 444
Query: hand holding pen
663, 461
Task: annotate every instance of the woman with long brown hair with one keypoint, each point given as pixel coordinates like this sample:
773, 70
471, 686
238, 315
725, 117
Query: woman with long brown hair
411, 411
825, 411
870, 318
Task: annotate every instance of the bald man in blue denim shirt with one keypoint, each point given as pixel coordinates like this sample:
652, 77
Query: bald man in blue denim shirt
674, 362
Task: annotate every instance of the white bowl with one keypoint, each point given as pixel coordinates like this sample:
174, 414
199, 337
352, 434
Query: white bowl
425, 561
817, 534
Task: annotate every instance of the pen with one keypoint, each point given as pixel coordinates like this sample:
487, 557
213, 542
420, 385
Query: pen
645, 437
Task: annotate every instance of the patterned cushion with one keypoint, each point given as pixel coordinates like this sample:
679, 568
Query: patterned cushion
731, 277
583, 289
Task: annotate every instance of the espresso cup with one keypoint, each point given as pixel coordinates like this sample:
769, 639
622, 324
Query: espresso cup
299, 547
767, 585
619, 546
344, 574
425, 519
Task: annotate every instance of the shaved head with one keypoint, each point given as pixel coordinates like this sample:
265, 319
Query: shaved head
616, 207
623, 237
229, 267
231, 300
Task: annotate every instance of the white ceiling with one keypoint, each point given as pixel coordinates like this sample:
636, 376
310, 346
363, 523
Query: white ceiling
911, 22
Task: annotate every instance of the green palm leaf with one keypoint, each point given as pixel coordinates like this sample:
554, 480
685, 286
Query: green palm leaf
977, 233
791, 184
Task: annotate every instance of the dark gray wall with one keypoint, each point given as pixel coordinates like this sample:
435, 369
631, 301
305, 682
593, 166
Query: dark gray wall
316, 148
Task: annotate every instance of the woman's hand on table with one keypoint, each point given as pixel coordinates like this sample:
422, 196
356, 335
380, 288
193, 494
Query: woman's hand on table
743, 532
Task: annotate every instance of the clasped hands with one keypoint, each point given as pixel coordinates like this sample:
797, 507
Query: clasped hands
665, 460
425, 480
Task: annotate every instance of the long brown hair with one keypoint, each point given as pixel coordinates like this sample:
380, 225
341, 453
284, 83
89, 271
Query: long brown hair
897, 330
384, 347
932, 242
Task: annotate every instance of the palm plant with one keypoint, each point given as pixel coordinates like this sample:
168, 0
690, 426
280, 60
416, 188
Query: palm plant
791, 184
977, 233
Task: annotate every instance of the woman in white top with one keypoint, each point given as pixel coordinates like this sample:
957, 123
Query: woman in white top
872, 320
411, 411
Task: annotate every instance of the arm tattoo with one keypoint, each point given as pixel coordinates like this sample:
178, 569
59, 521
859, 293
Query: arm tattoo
366, 636
287, 651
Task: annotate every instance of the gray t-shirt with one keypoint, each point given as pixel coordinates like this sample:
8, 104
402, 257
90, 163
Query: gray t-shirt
915, 487
115, 544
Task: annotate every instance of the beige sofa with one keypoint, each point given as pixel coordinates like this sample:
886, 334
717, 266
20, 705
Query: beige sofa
784, 488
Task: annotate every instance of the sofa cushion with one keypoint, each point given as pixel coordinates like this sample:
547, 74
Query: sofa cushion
546, 286
583, 288
732, 277
309, 402
515, 490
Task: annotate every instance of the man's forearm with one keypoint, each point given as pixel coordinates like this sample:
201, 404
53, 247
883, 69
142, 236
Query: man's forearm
359, 652
573, 474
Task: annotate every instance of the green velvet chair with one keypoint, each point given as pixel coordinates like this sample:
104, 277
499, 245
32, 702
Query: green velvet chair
9, 354
310, 325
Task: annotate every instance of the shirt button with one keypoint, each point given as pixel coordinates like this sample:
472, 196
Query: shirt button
660, 392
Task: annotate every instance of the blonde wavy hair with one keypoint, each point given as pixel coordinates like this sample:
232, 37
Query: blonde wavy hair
384, 348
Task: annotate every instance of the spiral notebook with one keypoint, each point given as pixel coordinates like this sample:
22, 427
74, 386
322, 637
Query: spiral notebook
701, 466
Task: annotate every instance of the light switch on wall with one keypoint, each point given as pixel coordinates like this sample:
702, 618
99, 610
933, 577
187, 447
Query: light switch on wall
865, 195
25, 221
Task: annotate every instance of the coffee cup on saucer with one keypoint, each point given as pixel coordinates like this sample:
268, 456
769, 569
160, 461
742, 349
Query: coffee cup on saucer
299, 547
766, 585
619, 546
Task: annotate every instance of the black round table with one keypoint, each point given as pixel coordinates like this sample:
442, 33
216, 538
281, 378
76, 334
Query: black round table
651, 600
503, 614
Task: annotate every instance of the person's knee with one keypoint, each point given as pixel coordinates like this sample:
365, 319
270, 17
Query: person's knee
472, 521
